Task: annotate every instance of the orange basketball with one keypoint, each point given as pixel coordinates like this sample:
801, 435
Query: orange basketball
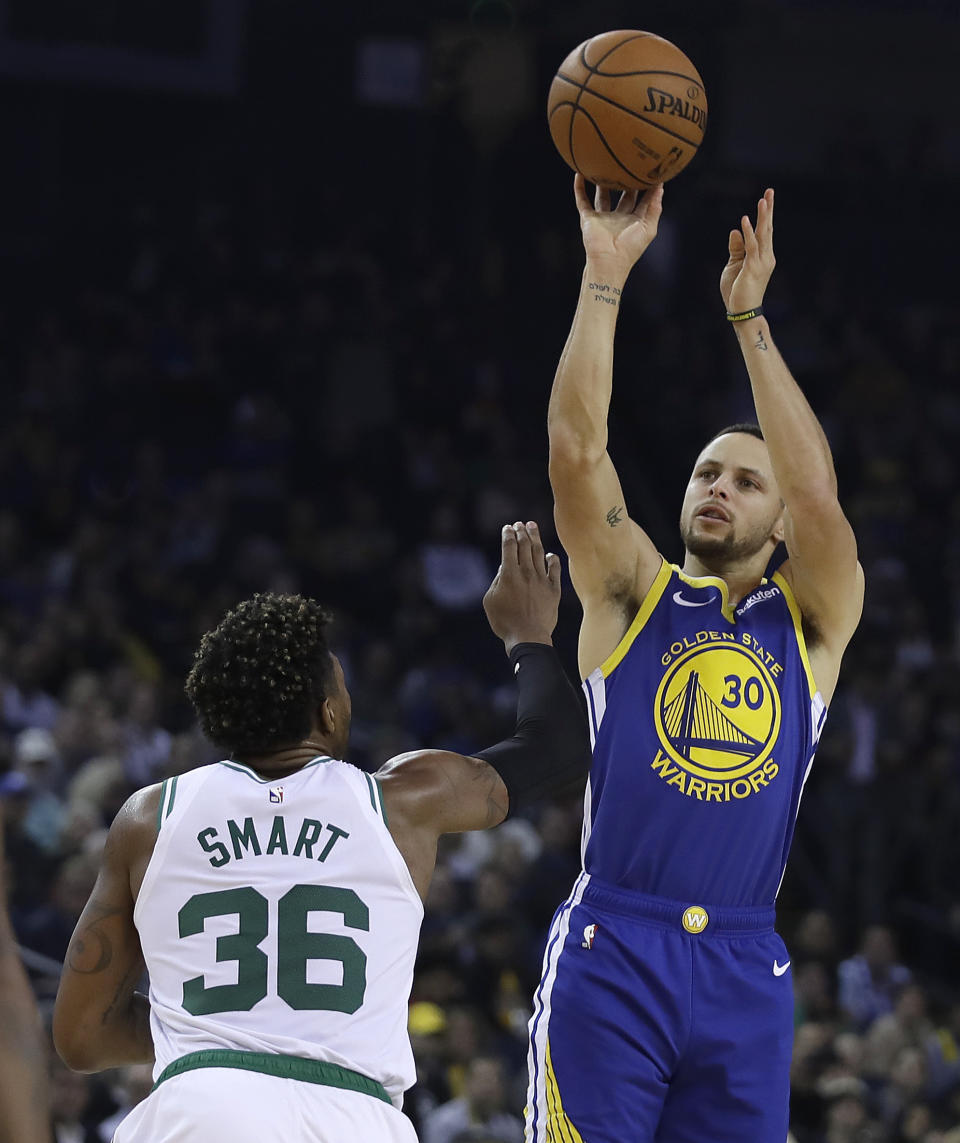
627, 109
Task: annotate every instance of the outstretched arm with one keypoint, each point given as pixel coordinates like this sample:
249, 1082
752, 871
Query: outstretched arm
432, 792
612, 560
823, 568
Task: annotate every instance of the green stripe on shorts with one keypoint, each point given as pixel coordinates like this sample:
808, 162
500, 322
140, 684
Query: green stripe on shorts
282, 1067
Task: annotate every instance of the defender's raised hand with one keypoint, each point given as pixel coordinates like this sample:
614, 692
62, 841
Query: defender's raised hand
616, 236
523, 600
750, 264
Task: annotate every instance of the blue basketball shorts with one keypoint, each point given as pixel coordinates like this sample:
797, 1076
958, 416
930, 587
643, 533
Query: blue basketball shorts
660, 1021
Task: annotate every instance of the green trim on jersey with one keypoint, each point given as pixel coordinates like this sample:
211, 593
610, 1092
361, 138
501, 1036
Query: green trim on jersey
383, 808
241, 769
163, 798
373, 800
283, 1067
168, 791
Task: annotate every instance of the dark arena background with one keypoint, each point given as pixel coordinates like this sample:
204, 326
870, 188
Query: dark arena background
282, 290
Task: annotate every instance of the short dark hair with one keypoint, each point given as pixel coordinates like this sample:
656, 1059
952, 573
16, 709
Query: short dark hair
260, 674
750, 427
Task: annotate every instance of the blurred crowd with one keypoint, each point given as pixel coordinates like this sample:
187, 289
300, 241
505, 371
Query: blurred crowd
207, 403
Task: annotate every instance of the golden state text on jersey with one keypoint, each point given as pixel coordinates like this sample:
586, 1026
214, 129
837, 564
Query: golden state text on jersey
704, 723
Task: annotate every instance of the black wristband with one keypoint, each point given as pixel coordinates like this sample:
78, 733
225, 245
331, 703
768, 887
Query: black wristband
550, 747
746, 315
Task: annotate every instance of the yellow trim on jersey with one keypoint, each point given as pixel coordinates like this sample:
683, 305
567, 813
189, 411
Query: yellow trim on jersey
711, 581
559, 1127
650, 601
797, 618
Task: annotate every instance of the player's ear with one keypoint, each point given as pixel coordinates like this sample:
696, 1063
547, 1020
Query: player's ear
327, 717
778, 530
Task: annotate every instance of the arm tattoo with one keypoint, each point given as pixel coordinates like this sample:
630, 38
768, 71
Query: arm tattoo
496, 811
602, 292
761, 342
615, 516
91, 950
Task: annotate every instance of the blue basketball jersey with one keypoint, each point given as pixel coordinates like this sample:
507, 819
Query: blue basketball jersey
704, 722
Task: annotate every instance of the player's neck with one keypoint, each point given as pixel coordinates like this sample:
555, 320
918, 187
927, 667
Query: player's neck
740, 577
288, 760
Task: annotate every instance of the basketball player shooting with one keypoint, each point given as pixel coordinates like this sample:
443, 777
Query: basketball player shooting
276, 897
665, 1008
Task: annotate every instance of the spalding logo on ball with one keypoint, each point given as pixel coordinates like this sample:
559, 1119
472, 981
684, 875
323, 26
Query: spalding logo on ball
627, 110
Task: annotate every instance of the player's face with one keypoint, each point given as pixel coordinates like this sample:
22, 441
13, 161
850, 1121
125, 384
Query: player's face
342, 709
732, 507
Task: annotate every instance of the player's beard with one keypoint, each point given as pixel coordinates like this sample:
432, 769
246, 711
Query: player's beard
728, 549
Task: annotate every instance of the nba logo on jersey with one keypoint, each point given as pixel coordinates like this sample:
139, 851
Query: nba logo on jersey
276, 794
588, 934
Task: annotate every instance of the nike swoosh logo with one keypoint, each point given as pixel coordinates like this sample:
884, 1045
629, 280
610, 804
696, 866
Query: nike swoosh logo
780, 969
678, 598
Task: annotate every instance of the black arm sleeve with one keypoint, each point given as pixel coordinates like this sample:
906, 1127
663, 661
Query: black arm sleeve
550, 747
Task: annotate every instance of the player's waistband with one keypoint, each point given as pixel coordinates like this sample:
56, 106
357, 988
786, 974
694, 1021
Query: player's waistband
283, 1067
695, 917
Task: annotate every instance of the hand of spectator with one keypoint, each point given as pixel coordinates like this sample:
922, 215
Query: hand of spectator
616, 237
523, 600
750, 264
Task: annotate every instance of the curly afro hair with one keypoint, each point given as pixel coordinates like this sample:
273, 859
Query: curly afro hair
259, 676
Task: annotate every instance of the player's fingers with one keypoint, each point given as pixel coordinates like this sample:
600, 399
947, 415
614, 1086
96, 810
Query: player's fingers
628, 201
580, 193
553, 570
735, 244
524, 546
601, 200
536, 547
651, 204
749, 237
508, 549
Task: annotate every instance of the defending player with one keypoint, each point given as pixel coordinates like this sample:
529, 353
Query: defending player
665, 1008
277, 896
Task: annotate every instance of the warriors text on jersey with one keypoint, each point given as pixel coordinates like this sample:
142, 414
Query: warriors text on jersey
277, 916
704, 722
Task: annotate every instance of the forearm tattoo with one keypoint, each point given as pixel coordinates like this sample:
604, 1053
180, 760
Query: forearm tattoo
761, 342
602, 292
91, 950
615, 516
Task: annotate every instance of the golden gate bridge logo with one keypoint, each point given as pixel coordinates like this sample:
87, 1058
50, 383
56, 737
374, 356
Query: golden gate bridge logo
717, 711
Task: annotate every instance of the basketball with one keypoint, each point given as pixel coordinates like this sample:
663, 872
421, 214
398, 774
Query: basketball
627, 110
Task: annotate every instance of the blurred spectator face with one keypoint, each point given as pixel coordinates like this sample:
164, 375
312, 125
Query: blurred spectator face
878, 948
484, 1086
463, 1034
816, 935
909, 1071
491, 891
845, 1115
849, 1050
911, 1006
812, 988
916, 1123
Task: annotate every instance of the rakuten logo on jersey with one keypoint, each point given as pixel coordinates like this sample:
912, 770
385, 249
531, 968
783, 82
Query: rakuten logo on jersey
757, 597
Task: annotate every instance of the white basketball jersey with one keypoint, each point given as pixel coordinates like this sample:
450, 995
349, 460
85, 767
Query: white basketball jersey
278, 916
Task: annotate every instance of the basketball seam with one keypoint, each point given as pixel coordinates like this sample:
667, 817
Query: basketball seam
635, 114
619, 44
596, 127
642, 71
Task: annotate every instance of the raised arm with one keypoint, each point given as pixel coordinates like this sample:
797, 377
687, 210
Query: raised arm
100, 1020
612, 560
822, 569
432, 792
